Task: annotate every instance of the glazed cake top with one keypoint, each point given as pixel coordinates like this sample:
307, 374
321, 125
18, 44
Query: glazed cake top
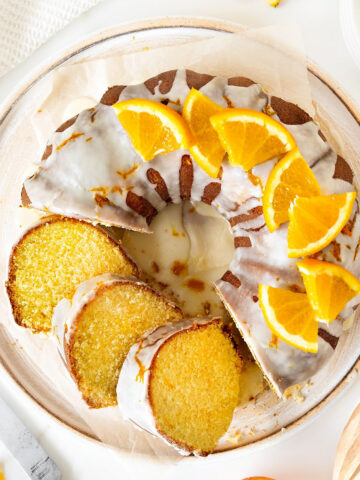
90, 170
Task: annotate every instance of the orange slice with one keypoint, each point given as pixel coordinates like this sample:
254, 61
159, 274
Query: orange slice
290, 177
208, 152
329, 287
153, 127
316, 221
290, 317
251, 137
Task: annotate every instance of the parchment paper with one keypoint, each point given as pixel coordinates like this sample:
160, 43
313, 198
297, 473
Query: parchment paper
272, 56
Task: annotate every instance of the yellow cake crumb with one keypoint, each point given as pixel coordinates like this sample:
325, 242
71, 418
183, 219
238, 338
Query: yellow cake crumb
51, 260
195, 387
104, 331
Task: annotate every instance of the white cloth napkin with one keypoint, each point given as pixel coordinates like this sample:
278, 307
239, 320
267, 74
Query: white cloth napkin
26, 24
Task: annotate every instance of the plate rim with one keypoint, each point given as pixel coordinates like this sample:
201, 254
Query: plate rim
350, 33
175, 22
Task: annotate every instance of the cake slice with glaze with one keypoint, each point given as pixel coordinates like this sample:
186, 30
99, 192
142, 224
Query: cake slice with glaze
181, 383
49, 262
108, 314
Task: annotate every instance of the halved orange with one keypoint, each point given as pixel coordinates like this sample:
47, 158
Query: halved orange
290, 317
207, 152
153, 128
316, 221
328, 286
258, 478
290, 177
251, 137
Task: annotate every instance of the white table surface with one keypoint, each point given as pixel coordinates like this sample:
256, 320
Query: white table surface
308, 454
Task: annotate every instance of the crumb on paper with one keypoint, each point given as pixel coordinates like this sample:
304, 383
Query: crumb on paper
234, 437
295, 393
352, 375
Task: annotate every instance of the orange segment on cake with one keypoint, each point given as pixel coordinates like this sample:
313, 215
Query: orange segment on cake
153, 127
329, 287
316, 221
250, 137
207, 151
182, 383
290, 317
291, 177
100, 176
51, 260
108, 315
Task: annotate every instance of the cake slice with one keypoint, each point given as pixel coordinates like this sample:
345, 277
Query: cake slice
108, 315
182, 383
51, 259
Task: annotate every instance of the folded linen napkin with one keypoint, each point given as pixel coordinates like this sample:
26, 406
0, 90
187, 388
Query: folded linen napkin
27, 24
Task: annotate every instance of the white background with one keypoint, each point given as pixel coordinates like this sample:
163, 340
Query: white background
307, 454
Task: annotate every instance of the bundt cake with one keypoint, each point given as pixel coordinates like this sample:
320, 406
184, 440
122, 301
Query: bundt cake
124, 190
108, 315
182, 382
51, 259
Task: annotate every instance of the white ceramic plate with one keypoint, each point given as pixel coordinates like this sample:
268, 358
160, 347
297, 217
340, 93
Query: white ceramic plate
258, 417
350, 25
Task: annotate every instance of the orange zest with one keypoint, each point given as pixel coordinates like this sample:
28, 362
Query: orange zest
289, 178
250, 137
290, 317
153, 128
329, 287
207, 151
314, 222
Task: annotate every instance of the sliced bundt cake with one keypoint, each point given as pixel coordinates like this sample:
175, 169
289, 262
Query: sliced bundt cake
51, 260
106, 319
182, 383
91, 170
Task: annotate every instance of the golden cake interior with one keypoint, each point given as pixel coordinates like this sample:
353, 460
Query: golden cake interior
195, 387
104, 331
51, 260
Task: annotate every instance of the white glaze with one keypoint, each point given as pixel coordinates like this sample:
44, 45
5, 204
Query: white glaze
193, 236
64, 181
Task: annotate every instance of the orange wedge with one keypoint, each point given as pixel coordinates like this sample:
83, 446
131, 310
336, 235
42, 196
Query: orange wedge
290, 177
316, 221
329, 287
207, 152
251, 137
290, 317
153, 127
